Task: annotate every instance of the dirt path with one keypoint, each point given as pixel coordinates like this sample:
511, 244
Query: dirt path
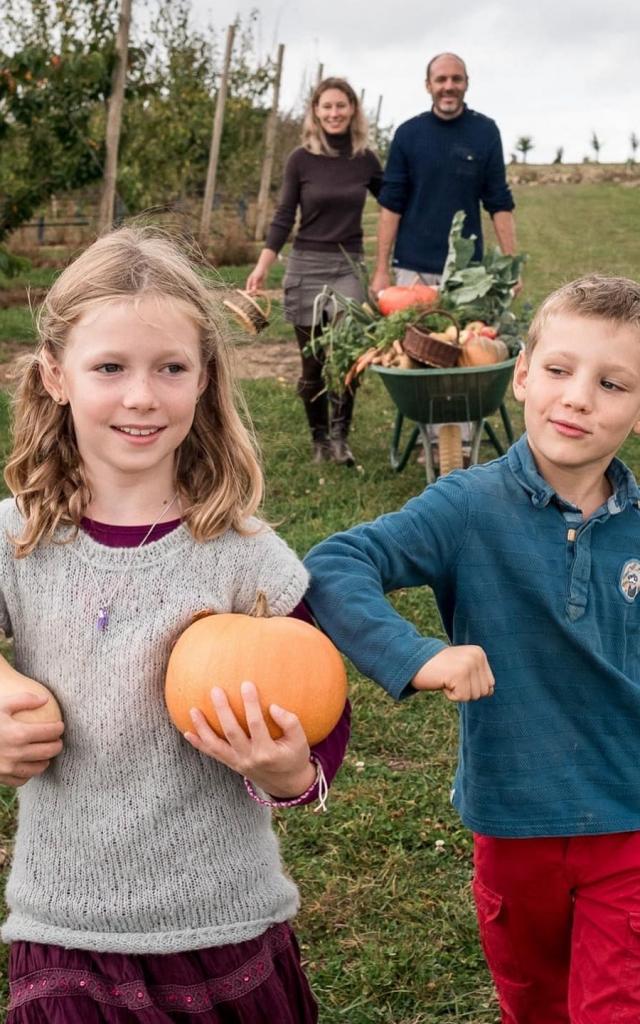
279, 359
253, 360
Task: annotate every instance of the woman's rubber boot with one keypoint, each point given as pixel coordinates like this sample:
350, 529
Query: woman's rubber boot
340, 411
317, 409
320, 450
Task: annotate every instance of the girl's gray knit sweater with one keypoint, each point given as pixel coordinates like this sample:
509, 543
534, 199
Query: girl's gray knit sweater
132, 841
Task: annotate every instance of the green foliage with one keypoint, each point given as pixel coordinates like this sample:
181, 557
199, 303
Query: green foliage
478, 291
55, 72
381, 136
167, 126
12, 265
343, 340
387, 329
56, 64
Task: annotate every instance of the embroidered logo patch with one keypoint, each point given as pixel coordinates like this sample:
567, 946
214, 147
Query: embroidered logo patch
630, 579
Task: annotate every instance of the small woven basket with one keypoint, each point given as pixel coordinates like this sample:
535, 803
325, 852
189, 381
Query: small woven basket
424, 348
247, 311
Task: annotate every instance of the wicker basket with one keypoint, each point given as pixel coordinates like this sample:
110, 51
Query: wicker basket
423, 347
247, 310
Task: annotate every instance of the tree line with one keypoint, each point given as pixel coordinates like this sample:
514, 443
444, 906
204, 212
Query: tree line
525, 144
56, 64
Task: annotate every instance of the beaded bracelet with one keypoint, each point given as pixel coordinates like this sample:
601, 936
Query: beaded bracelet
320, 781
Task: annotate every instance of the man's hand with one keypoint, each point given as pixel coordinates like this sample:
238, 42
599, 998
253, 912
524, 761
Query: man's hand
462, 672
388, 223
380, 280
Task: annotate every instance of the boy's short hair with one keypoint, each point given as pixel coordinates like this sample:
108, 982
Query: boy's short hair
595, 296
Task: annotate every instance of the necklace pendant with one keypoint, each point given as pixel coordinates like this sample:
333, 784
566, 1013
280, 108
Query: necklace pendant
103, 619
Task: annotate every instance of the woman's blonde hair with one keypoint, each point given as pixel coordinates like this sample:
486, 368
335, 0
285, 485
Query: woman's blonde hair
314, 138
218, 476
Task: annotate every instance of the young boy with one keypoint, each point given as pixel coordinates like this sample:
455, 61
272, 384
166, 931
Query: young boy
534, 560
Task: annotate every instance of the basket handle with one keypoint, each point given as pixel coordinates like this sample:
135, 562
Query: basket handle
266, 299
440, 312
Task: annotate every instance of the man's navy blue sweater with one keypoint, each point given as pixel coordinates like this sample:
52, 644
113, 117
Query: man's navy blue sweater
554, 601
435, 168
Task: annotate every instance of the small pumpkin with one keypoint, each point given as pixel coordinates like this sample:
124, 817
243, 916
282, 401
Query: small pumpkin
291, 663
13, 682
397, 297
480, 350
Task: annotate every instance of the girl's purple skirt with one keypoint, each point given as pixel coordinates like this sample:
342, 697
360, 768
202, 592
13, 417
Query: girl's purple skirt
256, 982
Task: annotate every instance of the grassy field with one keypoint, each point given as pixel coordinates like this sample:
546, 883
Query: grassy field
387, 925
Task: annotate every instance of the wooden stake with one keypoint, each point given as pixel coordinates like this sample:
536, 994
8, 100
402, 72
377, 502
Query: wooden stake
214, 151
269, 147
114, 120
379, 108
320, 73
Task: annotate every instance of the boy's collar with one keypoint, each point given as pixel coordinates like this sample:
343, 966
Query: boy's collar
523, 466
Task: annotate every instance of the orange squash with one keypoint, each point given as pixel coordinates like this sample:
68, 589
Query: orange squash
291, 663
479, 350
12, 682
397, 297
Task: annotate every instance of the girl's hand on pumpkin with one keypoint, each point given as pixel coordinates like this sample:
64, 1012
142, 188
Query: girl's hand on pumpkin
462, 672
279, 767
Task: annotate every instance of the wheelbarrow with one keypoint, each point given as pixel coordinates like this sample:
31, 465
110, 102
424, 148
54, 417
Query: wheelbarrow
450, 397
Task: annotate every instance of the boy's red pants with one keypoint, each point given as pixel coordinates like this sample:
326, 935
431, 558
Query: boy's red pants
560, 926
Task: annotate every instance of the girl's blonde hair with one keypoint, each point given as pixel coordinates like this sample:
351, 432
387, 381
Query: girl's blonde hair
218, 476
314, 137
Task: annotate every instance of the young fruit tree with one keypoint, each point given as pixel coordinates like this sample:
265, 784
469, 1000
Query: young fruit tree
524, 145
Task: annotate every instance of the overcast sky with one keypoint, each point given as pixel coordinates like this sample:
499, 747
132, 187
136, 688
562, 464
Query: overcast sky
556, 70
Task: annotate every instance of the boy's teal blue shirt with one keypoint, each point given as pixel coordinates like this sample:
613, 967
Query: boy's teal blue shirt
554, 601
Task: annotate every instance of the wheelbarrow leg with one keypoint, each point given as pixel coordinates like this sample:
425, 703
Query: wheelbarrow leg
476, 438
493, 437
398, 461
506, 422
429, 468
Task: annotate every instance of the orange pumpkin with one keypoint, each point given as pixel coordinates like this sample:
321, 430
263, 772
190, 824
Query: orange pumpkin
397, 297
12, 682
479, 350
291, 663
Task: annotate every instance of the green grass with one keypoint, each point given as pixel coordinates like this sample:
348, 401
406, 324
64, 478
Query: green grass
36, 277
237, 276
569, 230
16, 324
387, 924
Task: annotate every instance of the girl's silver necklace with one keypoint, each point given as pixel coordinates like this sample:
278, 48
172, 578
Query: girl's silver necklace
104, 610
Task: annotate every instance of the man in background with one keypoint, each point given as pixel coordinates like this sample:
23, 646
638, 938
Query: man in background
446, 159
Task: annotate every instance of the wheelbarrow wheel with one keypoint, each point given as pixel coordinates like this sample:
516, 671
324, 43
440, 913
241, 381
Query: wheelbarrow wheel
450, 448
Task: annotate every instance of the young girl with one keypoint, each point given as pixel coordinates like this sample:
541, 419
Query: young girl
327, 179
146, 882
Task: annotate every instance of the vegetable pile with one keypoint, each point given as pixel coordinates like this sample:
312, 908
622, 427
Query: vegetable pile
477, 296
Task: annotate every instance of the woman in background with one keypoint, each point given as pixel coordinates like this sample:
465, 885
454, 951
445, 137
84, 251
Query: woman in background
327, 178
